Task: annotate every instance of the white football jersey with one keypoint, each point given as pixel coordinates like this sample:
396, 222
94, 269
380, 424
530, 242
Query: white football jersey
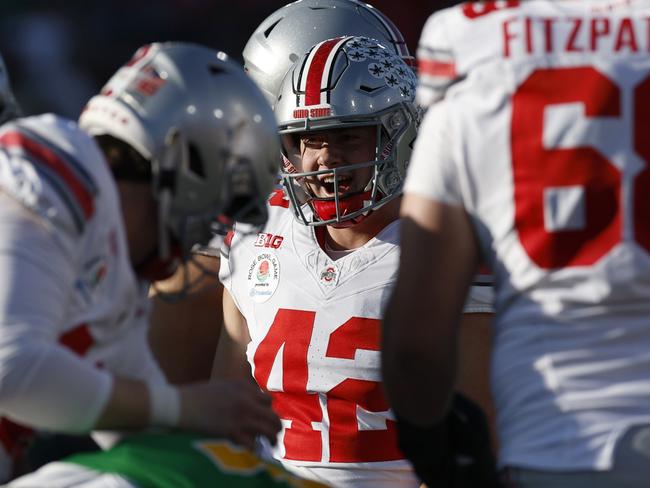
543, 139
315, 333
314, 324
75, 284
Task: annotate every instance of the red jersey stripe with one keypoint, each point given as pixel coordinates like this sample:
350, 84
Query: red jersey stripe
49, 158
78, 340
436, 68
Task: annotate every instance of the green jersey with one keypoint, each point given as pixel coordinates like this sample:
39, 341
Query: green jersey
182, 460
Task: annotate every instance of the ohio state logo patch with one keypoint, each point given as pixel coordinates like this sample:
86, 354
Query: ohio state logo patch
329, 275
263, 276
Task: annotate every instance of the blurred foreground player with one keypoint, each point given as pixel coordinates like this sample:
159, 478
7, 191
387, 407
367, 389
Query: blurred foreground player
536, 159
189, 140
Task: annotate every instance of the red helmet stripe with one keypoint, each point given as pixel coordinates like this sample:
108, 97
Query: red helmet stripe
317, 73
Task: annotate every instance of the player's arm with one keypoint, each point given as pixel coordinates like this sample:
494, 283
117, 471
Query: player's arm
473, 375
230, 359
420, 330
44, 385
184, 333
420, 347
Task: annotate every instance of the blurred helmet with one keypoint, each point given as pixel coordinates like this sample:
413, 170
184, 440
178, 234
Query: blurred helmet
290, 31
339, 83
8, 106
205, 127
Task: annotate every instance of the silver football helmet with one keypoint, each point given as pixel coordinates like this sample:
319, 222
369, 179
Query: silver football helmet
339, 83
285, 35
205, 127
8, 107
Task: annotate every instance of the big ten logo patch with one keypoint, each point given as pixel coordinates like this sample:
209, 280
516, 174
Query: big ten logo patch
268, 240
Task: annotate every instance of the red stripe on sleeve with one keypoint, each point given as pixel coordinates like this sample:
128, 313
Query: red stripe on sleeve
436, 68
228, 239
50, 159
78, 340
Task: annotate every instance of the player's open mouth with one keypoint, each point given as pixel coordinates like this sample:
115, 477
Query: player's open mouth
326, 185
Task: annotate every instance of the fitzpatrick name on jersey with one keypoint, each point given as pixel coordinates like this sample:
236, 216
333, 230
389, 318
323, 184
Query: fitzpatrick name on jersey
540, 135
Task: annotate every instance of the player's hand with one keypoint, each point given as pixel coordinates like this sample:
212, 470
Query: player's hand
232, 409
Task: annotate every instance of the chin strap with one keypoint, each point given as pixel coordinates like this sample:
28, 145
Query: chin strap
326, 209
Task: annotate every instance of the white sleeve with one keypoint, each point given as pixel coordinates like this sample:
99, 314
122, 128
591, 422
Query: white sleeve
225, 274
432, 172
42, 384
436, 63
227, 267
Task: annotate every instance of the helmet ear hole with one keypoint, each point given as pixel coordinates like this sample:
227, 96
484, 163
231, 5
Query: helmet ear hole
196, 162
268, 31
215, 70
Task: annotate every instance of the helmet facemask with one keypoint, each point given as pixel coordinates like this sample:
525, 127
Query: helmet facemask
346, 208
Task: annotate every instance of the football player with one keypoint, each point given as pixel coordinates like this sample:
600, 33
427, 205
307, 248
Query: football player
304, 296
270, 51
282, 38
536, 161
81, 239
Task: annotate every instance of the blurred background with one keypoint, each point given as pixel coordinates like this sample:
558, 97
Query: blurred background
60, 52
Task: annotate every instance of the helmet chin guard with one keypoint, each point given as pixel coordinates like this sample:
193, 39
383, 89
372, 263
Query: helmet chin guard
334, 209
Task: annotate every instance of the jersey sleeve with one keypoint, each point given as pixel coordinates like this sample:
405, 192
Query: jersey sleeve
42, 384
225, 272
432, 172
47, 165
435, 58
